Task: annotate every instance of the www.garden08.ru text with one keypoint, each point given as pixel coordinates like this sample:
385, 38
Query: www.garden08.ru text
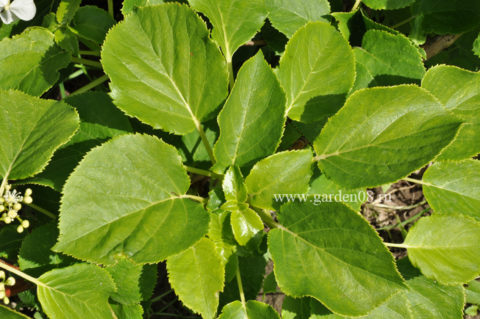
318, 199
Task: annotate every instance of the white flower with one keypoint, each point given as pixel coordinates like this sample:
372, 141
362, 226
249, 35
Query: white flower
18, 9
12, 197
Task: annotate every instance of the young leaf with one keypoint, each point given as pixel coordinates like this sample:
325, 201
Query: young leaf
126, 197
390, 58
454, 187
92, 24
282, 173
197, 275
233, 185
316, 71
126, 276
30, 61
245, 224
343, 254
127, 311
251, 122
32, 129
450, 259
387, 4
234, 21
290, 15
383, 134
99, 120
459, 91
8, 313
66, 10
473, 292
251, 310
164, 68
76, 292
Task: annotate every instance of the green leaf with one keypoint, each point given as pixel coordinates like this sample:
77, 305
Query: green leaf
100, 120
349, 269
32, 130
234, 22
245, 224
233, 185
459, 91
148, 281
30, 61
126, 198
36, 256
476, 46
305, 64
197, 276
382, 135
473, 292
390, 58
282, 173
67, 40
92, 24
126, 275
445, 248
296, 308
251, 122
387, 4
446, 17
129, 5
453, 187
127, 311
252, 310
7, 313
290, 15
66, 10
76, 292
179, 73
325, 190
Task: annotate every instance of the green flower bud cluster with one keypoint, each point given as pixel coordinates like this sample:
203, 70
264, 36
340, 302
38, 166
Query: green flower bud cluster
11, 203
5, 282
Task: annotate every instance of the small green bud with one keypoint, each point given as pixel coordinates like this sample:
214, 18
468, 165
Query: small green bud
7, 220
27, 200
2, 275
8, 187
6, 300
2, 200
25, 223
10, 281
17, 206
2, 208
2, 286
28, 192
20, 229
12, 213
2, 294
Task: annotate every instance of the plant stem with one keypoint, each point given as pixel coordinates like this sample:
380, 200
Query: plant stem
43, 211
92, 53
403, 22
231, 79
21, 274
86, 62
399, 207
91, 85
110, 7
203, 172
356, 5
195, 198
240, 285
3, 185
416, 181
205, 142
405, 222
267, 218
396, 245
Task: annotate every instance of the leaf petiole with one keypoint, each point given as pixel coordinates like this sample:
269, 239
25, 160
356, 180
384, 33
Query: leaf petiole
21, 274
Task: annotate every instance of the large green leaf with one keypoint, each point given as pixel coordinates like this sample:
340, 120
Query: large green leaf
127, 311
282, 173
383, 134
30, 61
317, 70
251, 310
390, 58
388, 4
446, 248
92, 23
76, 292
126, 198
126, 276
290, 15
99, 121
459, 91
446, 17
454, 187
164, 69
234, 21
8, 313
197, 275
32, 129
129, 5
333, 254
251, 122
